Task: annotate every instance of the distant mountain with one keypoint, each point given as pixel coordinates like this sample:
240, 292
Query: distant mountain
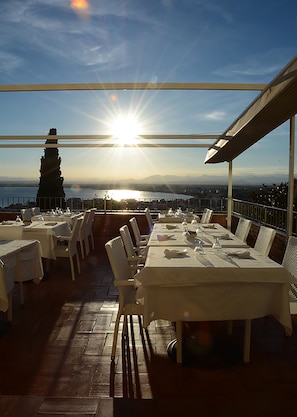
247, 179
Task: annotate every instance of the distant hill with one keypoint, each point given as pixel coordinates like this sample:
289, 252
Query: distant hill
248, 179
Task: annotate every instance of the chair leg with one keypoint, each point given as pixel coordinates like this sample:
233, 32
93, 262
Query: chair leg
247, 341
72, 268
9, 311
21, 292
87, 246
179, 339
77, 263
92, 241
82, 249
115, 335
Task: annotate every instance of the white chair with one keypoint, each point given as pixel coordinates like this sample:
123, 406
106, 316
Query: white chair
149, 218
26, 215
125, 285
264, 240
206, 215
242, 229
35, 211
82, 235
89, 230
140, 240
136, 256
67, 247
290, 263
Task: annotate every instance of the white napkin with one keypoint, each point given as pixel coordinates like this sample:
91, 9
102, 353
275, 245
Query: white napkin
174, 253
222, 236
243, 254
209, 226
163, 237
7, 222
170, 226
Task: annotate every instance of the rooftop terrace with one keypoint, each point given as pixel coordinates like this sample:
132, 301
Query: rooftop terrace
55, 356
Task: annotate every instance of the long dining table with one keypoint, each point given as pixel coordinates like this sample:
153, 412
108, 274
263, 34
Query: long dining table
180, 284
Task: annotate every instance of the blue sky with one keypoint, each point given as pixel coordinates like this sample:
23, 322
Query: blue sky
219, 41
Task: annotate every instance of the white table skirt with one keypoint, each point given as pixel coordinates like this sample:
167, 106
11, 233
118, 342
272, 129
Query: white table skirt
20, 260
186, 289
46, 233
11, 230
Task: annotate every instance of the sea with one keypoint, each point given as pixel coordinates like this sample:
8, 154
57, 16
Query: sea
13, 195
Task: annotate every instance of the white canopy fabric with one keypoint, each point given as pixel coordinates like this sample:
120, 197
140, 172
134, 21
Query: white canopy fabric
275, 105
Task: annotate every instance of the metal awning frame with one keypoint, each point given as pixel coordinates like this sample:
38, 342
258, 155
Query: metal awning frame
76, 141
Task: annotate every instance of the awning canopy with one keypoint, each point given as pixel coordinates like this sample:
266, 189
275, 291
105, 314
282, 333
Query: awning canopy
276, 104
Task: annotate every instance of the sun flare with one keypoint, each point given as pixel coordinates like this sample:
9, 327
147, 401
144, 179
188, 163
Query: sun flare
126, 129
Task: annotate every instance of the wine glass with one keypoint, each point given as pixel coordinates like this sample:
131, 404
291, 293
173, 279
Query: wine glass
217, 245
199, 247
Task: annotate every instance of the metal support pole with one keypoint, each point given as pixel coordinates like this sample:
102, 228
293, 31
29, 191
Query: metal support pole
230, 200
291, 178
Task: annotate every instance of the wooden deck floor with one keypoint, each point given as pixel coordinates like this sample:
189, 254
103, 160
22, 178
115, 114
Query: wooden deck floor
55, 359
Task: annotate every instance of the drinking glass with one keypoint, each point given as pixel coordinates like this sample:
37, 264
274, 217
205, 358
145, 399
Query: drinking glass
199, 247
217, 245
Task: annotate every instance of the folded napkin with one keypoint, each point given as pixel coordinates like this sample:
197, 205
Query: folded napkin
243, 254
223, 236
174, 253
209, 226
163, 237
6, 222
170, 226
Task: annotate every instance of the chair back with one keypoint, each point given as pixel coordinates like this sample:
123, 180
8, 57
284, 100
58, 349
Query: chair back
118, 259
243, 228
72, 243
135, 230
290, 256
26, 215
290, 263
149, 218
264, 240
35, 211
128, 242
206, 215
90, 221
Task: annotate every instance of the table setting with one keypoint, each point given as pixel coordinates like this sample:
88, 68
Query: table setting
210, 278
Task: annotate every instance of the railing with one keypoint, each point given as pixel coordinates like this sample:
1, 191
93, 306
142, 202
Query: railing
191, 204
267, 215
263, 214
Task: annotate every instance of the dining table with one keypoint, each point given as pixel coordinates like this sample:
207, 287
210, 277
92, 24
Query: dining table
179, 283
69, 218
45, 232
176, 217
20, 260
189, 235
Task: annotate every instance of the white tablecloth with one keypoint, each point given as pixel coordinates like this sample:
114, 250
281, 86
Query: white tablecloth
207, 235
167, 218
212, 287
20, 260
46, 233
68, 218
11, 230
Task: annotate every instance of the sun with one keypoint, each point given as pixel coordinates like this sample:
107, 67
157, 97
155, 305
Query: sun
126, 128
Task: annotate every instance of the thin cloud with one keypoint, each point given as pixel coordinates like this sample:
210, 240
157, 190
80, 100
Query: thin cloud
215, 115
